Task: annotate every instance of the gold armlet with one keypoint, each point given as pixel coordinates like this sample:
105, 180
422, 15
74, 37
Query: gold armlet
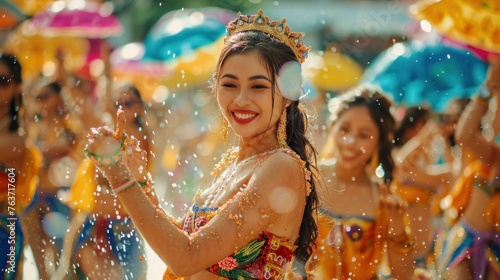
482, 100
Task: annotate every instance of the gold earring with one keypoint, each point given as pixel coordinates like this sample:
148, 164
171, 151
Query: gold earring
281, 134
225, 127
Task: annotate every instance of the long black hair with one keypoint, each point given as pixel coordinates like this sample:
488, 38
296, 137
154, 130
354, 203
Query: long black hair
16, 102
274, 54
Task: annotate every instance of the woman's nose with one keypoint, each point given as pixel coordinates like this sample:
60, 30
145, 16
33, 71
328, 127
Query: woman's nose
348, 139
242, 98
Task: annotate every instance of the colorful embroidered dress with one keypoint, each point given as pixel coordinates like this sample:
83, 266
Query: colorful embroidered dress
347, 247
465, 242
263, 258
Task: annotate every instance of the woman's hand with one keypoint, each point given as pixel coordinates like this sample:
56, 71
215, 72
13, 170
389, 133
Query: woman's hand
135, 158
106, 148
396, 209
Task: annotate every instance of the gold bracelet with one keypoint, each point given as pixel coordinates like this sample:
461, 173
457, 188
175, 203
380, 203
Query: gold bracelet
482, 100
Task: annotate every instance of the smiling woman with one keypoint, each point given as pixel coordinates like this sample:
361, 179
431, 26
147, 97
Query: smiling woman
357, 217
235, 227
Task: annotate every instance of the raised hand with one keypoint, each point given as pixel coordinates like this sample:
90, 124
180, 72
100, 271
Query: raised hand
396, 209
399, 232
106, 148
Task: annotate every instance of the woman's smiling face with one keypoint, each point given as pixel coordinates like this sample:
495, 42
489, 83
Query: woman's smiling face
244, 95
355, 137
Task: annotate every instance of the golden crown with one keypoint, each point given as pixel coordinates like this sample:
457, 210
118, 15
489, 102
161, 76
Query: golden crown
280, 30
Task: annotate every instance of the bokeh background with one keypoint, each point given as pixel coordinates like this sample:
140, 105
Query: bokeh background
168, 50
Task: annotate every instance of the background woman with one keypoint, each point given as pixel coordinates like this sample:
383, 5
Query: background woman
19, 164
357, 216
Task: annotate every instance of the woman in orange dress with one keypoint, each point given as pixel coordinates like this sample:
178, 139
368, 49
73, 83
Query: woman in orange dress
357, 217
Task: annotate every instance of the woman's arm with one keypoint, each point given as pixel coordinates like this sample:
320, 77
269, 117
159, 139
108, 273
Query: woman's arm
240, 220
468, 132
78, 99
13, 147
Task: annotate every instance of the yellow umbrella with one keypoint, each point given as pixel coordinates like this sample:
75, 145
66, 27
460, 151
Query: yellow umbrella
37, 53
331, 70
30, 7
476, 23
156, 79
195, 69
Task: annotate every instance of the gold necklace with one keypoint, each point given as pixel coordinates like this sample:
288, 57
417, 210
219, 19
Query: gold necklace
226, 170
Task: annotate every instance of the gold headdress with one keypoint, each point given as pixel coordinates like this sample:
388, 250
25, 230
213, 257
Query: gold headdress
280, 30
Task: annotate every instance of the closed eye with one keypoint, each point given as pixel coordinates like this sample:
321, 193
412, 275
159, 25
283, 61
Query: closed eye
228, 85
260, 87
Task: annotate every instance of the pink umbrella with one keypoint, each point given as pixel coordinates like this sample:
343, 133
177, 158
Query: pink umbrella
77, 18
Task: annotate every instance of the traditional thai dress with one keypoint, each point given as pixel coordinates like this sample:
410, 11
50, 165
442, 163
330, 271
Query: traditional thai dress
23, 187
266, 257
465, 242
348, 247
123, 239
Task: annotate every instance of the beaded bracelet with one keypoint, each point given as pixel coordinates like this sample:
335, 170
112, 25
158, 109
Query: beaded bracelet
111, 159
124, 185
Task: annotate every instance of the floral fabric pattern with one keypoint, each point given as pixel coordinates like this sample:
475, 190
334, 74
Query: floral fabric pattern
263, 258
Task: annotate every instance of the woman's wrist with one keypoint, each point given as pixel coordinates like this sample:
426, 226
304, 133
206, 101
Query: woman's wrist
117, 173
482, 100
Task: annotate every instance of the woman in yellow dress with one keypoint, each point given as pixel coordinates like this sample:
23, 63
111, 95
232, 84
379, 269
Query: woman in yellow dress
19, 164
357, 217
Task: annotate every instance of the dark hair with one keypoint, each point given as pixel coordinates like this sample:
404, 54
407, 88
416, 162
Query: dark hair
274, 55
379, 107
413, 116
129, 87
133, 89
55, 86
16, 102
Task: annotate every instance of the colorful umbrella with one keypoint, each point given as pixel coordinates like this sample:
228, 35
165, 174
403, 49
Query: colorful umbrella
30, 7
331, 70
147, 76
77, 18
37, 53
471, 23
188, 41
426, 74
181, 32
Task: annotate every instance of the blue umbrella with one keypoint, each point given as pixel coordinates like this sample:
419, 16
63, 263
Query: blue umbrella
182, 32
430, 75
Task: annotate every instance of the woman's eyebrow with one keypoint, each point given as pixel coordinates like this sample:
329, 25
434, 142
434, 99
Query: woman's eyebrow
256, 77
